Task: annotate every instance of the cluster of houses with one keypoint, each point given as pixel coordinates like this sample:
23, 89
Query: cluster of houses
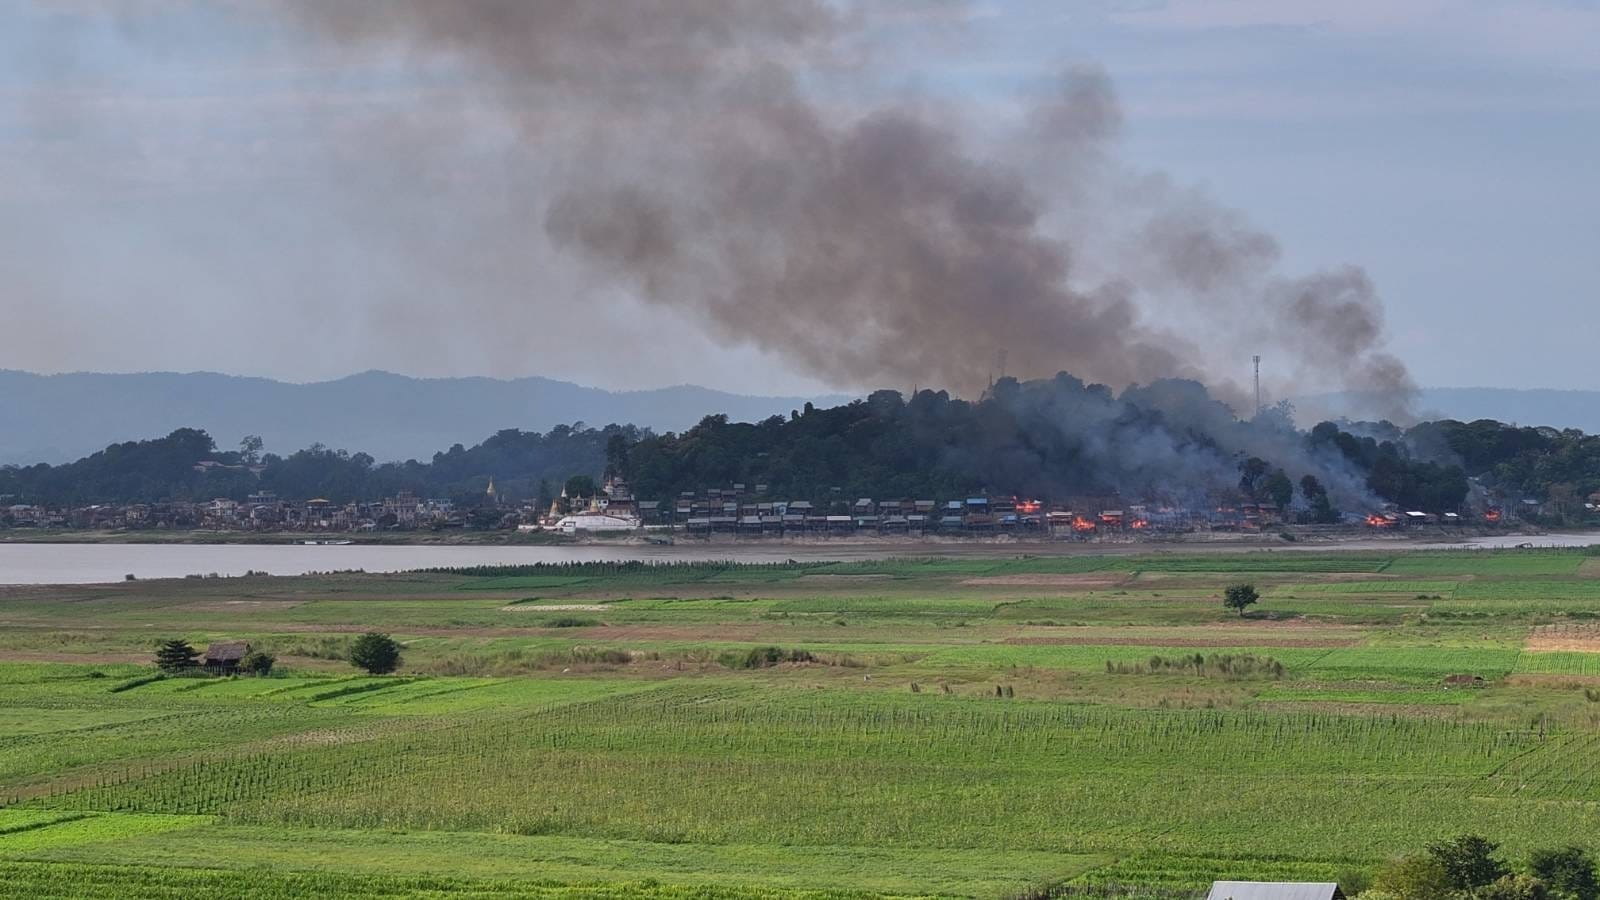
738, 509
263, 511
750, 510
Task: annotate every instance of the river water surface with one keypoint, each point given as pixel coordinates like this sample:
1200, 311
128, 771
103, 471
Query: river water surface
94, 563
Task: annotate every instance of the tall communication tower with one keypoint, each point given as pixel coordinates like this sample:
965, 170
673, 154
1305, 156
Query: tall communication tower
1257, 361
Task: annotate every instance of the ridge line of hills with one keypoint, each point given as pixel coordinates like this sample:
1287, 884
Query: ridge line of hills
60, 418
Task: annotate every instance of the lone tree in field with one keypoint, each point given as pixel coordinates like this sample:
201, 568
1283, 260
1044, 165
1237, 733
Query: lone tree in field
176, 656
1240, 596
378, 653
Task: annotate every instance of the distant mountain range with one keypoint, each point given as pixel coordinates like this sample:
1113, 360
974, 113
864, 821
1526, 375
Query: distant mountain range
57, 418
1557, 408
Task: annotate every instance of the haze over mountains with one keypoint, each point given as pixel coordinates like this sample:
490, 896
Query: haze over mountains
58, 418
1537, 406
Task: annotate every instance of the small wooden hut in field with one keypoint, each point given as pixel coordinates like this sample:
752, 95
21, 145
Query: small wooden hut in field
223, 657
1274, 890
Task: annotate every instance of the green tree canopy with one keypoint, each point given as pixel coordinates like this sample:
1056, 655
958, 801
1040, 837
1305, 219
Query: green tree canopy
1469, 860
1569, 871
1239, 596
176, 655
375, 652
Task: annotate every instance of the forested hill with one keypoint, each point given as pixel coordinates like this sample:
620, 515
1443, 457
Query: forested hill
164, 469
1054, 439
58, 418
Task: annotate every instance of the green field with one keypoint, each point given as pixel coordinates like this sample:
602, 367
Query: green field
986, 726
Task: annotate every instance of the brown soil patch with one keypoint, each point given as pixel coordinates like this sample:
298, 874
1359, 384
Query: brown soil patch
1560, 642
1589, 568
1576, 638
87, 656
1555, 681
1088, 580
1346, 708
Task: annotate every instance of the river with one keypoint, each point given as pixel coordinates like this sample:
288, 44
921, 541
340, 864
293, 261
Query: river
88, 563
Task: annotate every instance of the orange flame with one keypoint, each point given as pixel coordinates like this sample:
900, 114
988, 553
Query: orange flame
1079, 523
1141, 524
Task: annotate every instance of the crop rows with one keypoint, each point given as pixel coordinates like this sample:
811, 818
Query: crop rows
798, 768
1567, 768
44, 879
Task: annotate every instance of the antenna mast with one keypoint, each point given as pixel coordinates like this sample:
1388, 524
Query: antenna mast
1257, 361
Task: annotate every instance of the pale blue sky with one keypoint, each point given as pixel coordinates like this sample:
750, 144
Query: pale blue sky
187, 189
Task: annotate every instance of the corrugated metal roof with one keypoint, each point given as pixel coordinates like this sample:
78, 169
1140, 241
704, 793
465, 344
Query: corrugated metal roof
1274, 890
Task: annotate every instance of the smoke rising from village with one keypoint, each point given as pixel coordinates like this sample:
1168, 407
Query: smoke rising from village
770, 172
870, 242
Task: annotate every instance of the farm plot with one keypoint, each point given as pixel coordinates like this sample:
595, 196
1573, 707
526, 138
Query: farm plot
1414, 663
1093, 658
1326, 588
1242, 563
1501, 565
1559, 663
810, 769
649, 744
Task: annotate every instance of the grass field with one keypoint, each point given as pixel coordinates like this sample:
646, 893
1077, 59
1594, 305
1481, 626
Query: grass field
992, 727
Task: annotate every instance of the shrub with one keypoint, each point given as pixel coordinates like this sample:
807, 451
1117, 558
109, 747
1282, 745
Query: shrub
1569, 871
1217, 665
1420, 877
571, 622
257, 662
763, 657
1468, 861
377, 653
603, 655
1513, 887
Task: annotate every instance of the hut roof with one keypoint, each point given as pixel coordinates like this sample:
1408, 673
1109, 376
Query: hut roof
226, 651
1274, 890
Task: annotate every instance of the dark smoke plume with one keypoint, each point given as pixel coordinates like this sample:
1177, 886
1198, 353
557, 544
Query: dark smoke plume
702, 156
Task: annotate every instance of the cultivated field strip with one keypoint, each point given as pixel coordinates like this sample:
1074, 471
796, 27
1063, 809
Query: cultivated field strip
982, 726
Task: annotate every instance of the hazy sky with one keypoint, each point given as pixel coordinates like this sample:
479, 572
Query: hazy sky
191, 186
